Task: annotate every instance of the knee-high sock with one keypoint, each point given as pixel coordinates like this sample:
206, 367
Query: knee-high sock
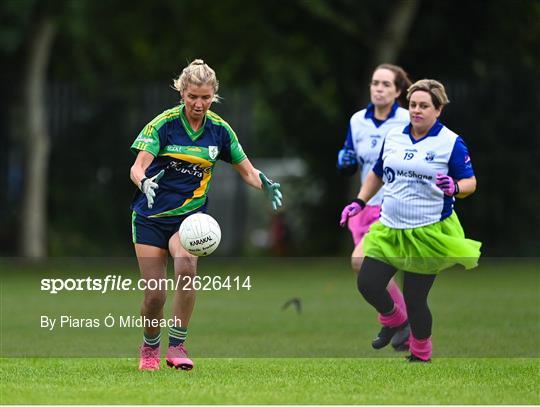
421, 348
396, 318
397, 296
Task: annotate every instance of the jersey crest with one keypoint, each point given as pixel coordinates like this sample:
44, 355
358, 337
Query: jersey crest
430, 155
213, 152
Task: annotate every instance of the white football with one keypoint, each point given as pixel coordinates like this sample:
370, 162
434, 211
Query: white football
200, 234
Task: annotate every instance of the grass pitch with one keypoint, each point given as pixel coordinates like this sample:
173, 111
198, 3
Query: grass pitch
248, 350
272, 381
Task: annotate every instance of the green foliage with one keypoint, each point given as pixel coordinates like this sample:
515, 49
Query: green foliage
15, 22
305, 65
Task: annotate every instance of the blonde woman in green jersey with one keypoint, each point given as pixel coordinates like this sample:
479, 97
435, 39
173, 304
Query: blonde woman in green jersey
175, 157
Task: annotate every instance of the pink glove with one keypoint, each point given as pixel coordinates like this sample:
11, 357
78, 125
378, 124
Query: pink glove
447, 185
351, 210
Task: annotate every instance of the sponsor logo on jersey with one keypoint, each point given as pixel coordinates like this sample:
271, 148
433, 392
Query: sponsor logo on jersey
468, 163
213, 152
390, 174
194, 149
146, 140
173, 149
184, 167
413, 174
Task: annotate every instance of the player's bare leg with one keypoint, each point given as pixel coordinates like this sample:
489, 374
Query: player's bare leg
152, 264
357, 257
185, 270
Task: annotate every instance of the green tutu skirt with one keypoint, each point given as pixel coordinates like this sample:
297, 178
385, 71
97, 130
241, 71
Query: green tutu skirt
424, 250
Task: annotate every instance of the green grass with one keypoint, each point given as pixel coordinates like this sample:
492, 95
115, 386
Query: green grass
272, 381
248, 350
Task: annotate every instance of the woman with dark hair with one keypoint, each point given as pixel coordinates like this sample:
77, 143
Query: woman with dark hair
365, 136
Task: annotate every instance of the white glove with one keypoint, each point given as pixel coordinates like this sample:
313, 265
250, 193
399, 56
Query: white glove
149, 185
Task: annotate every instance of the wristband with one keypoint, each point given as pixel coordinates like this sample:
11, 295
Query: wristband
456, 188
359, 202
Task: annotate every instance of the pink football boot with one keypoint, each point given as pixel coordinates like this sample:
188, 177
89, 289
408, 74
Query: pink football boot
177, 357
149, 358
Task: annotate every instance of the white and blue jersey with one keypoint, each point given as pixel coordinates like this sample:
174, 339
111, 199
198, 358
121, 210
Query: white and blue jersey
366, 135
408, 167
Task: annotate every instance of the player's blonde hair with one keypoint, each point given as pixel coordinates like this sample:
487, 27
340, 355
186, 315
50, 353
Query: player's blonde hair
434, 88
197, 73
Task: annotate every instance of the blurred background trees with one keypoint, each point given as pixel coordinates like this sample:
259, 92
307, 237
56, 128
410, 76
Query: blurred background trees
81, 78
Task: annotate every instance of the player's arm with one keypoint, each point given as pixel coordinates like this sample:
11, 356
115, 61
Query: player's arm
370, 186
373, 181
458, 188
460, 181
347, 163
138, 176
249, 173
139, 167
466, 187
257, 179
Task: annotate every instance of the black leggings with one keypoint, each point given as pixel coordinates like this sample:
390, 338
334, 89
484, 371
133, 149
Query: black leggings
372, 280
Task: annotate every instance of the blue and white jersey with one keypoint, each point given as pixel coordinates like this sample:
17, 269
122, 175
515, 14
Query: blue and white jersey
366, 135
409, 167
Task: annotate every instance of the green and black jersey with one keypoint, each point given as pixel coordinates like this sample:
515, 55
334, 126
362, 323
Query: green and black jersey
188, 158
